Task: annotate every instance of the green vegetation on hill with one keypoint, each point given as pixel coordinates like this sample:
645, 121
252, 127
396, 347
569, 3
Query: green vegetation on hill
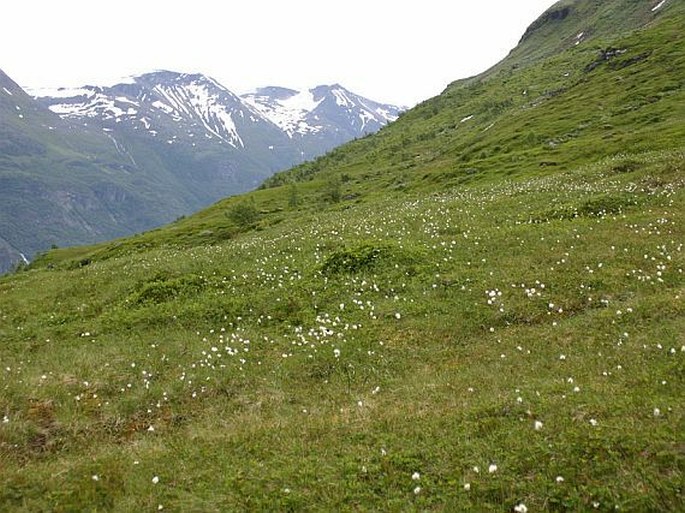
479, 308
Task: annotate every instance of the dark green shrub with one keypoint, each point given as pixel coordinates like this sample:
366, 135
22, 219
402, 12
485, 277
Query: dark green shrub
244, 214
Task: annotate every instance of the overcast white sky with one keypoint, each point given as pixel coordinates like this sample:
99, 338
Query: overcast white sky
399, 52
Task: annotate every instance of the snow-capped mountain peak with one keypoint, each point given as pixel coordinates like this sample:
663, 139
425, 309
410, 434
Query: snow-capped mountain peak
150, 100
193, 109
300, 113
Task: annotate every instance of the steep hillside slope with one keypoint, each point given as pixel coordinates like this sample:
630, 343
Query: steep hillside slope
477, 309
572, 23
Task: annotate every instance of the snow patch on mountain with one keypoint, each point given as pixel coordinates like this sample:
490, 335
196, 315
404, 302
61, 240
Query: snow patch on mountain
341, 98
196, 100
289, 113
87, 102
658, 6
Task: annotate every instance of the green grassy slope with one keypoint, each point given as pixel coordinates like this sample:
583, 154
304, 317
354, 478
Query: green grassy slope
448, 316
572, 23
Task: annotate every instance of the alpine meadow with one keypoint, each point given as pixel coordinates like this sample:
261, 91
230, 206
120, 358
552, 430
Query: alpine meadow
478, 308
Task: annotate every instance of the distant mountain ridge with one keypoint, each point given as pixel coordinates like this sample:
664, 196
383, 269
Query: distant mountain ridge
182, 106
324, 116
79, 165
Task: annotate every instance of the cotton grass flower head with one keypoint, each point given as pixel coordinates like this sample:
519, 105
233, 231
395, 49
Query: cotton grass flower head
492, 468
521, 508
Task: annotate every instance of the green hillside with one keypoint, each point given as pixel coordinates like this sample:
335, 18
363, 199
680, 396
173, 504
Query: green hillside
477, 309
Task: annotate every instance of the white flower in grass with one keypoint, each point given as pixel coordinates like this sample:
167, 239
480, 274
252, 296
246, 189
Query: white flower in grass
155, 480
521, 508
417, 490
95, 477
416, 476
467, 486
559, 479
537, 425
398, 315
657, 412
593, 422
492, 468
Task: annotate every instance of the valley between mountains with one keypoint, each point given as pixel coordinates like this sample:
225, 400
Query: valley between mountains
92, 163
